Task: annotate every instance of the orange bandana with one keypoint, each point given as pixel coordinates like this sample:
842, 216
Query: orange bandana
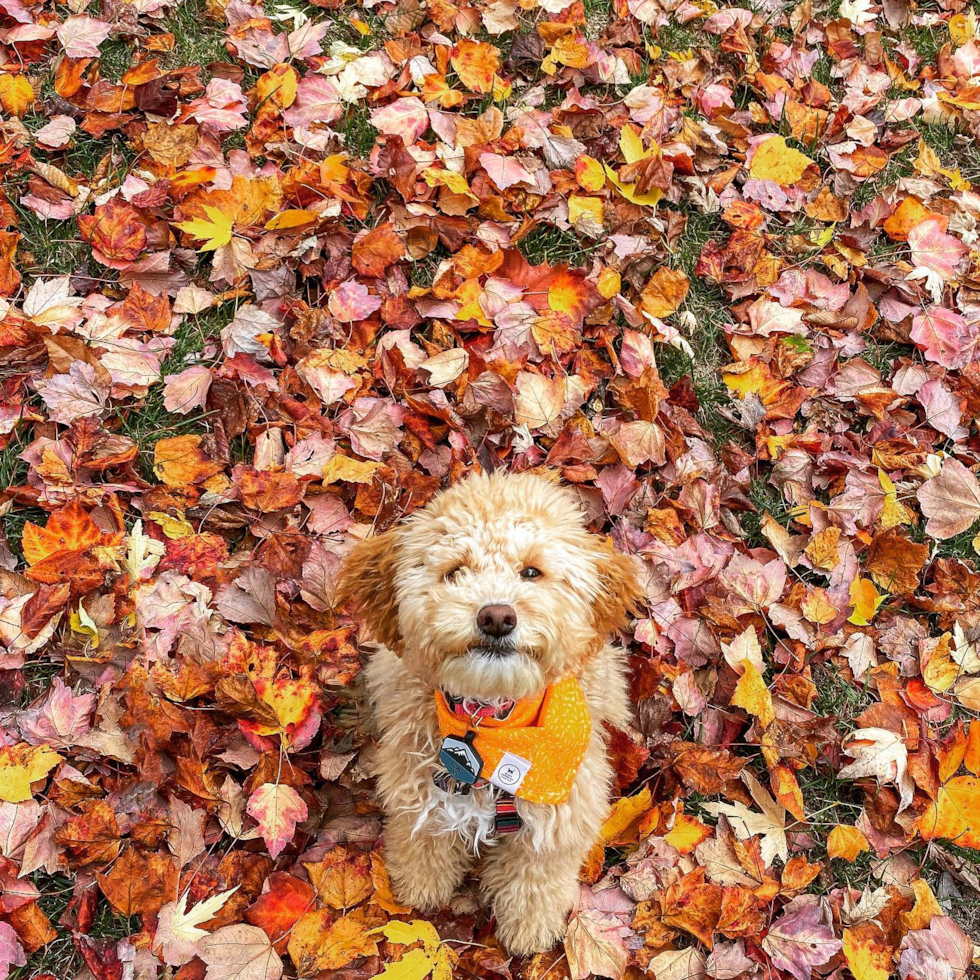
538, 747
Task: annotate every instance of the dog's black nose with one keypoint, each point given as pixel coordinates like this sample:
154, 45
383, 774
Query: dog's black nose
497, 620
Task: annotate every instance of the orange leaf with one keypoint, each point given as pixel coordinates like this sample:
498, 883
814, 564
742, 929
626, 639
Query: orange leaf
343, 878
182, 461
687, 833
277, 910
955, 814
664, 292
475, 64
752, 694
68, 529
139, 884
868, 955
374, 252
847, 843
620, 826
319, 943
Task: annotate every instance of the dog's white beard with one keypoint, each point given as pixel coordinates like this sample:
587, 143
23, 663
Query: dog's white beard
481, 675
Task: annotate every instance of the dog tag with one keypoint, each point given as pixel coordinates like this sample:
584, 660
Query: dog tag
460, 758
510, 772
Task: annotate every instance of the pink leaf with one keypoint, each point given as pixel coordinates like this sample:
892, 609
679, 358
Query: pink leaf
934, 249
278, 809
317, 101
802, 938
11, 952
62, 718
504, 171
352, 301
406, 118
188, 390
950, 501
945, 337
81, 35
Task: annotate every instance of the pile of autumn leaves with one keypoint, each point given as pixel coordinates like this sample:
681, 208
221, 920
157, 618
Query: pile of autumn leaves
199, 771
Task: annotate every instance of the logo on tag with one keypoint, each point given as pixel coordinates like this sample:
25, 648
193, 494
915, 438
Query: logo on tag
510, 772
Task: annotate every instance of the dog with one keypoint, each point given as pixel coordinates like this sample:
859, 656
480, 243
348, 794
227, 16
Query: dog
492, 691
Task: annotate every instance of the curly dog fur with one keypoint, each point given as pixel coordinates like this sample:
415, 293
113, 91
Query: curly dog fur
419, 588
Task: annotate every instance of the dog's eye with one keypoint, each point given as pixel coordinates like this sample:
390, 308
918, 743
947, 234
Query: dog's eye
530, 573
453, 574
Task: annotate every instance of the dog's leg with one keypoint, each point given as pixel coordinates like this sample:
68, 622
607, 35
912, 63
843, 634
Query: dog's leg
531, 892
425, 869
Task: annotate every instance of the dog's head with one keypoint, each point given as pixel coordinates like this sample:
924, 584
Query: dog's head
495, 589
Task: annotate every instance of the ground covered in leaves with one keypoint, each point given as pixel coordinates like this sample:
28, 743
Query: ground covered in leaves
270, 277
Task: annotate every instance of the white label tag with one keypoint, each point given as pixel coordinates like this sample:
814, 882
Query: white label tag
510, 772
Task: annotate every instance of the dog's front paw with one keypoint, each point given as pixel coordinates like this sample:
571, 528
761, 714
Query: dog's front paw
535, 932
423, 894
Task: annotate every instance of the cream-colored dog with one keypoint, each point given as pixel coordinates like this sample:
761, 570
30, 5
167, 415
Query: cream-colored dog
491, 594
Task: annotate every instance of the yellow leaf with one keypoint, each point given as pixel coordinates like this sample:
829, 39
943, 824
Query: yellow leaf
818, 609
624, 814
82, 623
822, 549
589, 174
752, 694
448, 178
293, 218
589, 208
214, 232
775, 160
414, 965
894, 513
687, 833
963, 27
609, 283
21, 765
174, 528
407, 933
747, 380
925, 909
16, 94
847, 843
633, 150
866, 600
278, 86
955, 814
343, 469
868, 955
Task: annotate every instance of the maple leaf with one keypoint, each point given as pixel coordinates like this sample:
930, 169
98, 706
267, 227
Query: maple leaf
433, 957
277, 910
239, 952
868, 954
11, 951
772, 159
215, 231
81, 35
321, 941
950, 500
802, 938
278, 809
21, 765
846, 843
770, 823
178, 932
880, 753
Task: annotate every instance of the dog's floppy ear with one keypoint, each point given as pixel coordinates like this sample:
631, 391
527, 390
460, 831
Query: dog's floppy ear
620, 594
367, 580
